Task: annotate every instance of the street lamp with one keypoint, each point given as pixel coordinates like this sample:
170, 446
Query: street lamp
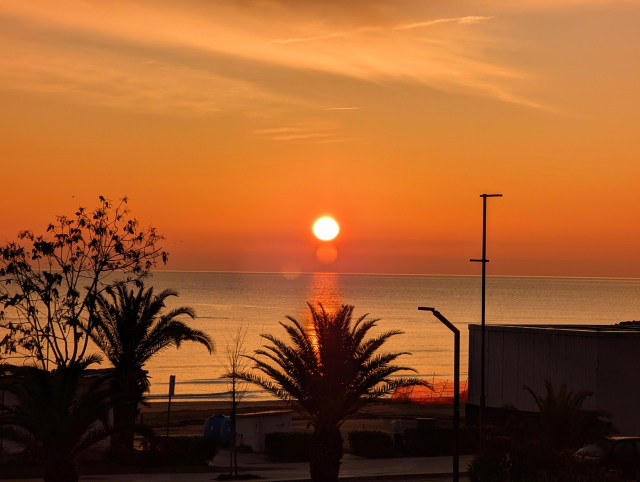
456, 390
484, 262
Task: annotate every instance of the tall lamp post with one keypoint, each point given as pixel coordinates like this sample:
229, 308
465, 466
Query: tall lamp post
456, 390
484, 262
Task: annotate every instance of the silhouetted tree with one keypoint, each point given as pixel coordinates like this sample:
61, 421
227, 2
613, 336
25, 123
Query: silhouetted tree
328, 373
51, 280
236, 363
129, 326
56, 416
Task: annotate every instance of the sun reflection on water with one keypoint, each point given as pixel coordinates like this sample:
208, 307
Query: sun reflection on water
324, 288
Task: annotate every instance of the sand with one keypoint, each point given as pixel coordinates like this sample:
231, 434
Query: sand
187, 418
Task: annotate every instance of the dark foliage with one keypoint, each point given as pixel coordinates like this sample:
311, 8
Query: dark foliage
438, 441
287, 446
238, 477
328, 372
492, 465
372, 444
50, 281
563, 425
129, 326
178, 451
58, 416
530, 446
488, 468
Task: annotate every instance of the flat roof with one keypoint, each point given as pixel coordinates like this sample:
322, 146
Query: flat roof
267, 413
625, 328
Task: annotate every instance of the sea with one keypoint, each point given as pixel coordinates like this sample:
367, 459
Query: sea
257, 303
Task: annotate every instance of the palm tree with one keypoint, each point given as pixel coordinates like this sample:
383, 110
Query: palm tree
130, 328
564, 426
56, 416
328, 373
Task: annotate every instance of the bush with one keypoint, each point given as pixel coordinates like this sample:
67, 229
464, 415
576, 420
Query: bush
438, 441
489, 468
287, 446
506, 460
372, 444
576, 472
176, 451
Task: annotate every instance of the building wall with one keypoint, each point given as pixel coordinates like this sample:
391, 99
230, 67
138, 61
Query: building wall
619, 381
606, 363
251, 429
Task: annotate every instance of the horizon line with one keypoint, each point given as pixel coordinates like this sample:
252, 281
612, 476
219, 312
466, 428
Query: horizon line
396, 274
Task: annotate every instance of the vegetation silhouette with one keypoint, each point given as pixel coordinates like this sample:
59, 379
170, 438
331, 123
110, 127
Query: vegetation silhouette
57, 416
530, 446
129, 326
564, 426
51, 280
328, 373
235, 363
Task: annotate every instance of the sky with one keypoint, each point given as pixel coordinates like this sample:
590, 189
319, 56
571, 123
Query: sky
232, 125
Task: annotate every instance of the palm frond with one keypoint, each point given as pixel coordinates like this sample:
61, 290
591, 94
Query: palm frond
330, 369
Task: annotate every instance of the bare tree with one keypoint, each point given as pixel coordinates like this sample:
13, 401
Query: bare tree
235, 362
51, 281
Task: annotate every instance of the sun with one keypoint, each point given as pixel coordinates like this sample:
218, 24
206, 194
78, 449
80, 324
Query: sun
326, 228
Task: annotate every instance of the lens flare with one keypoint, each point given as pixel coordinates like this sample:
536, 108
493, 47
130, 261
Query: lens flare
327, 254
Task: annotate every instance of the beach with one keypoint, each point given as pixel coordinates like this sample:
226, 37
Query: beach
187, 418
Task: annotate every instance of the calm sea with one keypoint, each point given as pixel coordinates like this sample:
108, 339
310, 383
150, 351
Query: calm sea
259, 301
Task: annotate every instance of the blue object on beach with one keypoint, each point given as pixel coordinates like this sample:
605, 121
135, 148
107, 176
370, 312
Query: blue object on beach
218, 427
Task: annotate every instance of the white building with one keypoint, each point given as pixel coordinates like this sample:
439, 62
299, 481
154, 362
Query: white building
604, 359
252, 427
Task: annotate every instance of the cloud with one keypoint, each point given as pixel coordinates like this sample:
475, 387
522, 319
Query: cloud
321, 135
122, 82
343, 108
307, 39
469, 20
210, 56
290, 133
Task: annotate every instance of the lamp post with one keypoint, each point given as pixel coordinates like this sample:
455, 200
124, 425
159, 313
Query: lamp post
456, 390
172, 390
484, 262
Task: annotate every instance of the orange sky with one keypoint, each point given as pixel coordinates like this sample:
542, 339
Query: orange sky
233, 125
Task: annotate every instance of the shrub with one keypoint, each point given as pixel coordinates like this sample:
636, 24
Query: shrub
489, 468
576, 472
176, 451
438, 441
372, 444
506, 460
287, 446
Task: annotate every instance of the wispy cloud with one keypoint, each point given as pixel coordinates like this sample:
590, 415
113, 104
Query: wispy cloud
320, 135
305, 39
469, 20
343, 108
290, 133
111, 39
127, 83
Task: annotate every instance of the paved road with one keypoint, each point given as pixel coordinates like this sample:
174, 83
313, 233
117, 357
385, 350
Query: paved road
353, 468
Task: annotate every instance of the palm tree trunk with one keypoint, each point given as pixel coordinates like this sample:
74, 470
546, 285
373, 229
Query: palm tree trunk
124, 419
325, 454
